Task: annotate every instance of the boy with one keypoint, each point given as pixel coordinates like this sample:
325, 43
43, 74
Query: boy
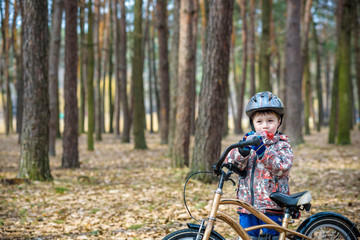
267, 166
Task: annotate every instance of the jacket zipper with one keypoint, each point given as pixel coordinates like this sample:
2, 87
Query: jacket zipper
252, 182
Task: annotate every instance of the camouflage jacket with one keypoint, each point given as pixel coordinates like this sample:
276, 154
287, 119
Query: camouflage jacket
266, 175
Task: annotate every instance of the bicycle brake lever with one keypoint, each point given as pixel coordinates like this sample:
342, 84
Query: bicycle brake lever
233, 182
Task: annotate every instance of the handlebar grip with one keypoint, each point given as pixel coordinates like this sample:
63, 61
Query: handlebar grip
253, 141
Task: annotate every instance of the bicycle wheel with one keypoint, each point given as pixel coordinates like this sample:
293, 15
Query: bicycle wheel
187, 234
329, 228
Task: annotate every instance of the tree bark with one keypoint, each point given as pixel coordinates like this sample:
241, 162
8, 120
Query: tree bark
34, 158
265, 51
163, 69
70, 142
204, 9
252, 48
82, 63
138, 85
105, 62
90, 79
193, 65
111, 65
123, 75
334, 112
344, 124
319, 87
117, 67
210, 121
149, 59
240, 100
180, 155
306, 64
20, 80
97, 70
156, 85
357, 54
293, 73
55, 43
174, 77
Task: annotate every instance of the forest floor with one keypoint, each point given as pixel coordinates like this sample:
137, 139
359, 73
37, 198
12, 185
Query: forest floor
121, 193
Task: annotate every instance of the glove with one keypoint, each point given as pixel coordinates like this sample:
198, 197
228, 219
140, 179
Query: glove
260, 149
244, 151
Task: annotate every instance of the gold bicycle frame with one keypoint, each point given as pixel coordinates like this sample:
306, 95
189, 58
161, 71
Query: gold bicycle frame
216, 214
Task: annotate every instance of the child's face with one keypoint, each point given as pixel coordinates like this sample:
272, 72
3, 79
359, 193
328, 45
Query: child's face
266, 122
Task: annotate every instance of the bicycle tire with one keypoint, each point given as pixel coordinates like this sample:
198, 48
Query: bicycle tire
187, 234
329, 227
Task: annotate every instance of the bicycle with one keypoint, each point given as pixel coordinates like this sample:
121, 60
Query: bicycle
323, 225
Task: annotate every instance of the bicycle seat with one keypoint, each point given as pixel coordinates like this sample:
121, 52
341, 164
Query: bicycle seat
296, 199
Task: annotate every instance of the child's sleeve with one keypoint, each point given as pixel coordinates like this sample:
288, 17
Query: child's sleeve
234, 155
279, 160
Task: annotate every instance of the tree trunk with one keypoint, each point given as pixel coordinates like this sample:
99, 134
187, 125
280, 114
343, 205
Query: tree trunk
204, 8
111, 42
357, 54
123, 75
235, 79
55, 43
150, 73
20, 80
210, 121
174, 77
5, 68
105, 62
163, 69
15, 59
344, 124
70, 157
319, 87
265, 51
193, 65
138, 85
82, 67
117, 67
34, 158
334, 112
240, 100
306, 64
180, 155
307, 93
156, 88
252, 48
293, 73
90, 79
97, 58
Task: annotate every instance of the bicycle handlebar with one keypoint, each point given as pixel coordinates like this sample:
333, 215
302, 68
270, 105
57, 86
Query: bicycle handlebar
254, 141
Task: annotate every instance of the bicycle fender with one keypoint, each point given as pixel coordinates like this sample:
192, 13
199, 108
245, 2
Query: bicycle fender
316, 216
197, 226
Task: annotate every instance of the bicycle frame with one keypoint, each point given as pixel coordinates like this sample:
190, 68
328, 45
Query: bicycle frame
216, 214
342, 226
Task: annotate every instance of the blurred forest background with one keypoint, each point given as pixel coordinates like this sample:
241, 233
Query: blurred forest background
80, 78
125, 67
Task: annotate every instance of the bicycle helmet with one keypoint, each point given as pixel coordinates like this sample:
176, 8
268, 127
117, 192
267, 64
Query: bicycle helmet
265, 101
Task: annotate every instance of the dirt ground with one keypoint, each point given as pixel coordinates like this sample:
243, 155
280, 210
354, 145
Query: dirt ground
121, 193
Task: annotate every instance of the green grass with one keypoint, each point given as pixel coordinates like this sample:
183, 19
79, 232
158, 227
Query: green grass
61, 190
58, 221
95, 210
136, 226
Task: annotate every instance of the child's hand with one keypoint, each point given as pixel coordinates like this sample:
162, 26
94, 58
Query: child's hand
244, 151
260, 149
